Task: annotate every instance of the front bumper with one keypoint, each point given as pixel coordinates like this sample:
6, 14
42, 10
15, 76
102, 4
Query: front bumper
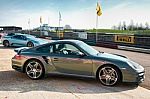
133, 76
140, 77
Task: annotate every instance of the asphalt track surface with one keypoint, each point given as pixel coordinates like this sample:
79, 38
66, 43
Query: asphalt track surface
15, 85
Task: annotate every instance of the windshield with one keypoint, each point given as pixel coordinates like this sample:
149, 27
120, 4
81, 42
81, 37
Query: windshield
88, 48
30, 36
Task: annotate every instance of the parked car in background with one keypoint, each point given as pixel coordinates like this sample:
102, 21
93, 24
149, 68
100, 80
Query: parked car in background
11, 34
73, 57
18, 39
8, 35
1, 35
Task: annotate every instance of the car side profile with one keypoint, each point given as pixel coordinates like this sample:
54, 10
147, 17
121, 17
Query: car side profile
74, 57
21, 40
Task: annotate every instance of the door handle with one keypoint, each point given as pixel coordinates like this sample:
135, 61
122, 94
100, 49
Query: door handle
46, 58
55, 59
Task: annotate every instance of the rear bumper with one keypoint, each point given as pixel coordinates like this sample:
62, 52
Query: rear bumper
17, 68
17, 64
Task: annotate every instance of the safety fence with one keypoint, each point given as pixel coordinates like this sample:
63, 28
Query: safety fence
103, 39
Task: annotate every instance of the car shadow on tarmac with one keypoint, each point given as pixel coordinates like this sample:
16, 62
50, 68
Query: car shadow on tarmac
15, 81
12, 47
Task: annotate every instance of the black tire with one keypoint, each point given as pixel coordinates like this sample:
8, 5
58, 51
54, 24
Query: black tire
34, 69
109, 75
30, 44
6, 43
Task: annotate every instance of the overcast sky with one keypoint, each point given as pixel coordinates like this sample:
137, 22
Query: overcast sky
76, 13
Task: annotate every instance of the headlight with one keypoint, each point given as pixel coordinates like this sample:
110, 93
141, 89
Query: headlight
36, 42
135, 65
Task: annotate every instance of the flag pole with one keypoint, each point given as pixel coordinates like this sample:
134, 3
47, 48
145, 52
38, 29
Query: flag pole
59, 24
41, 26
98, 13
48, 21
96, 22
96, 28
29, 25
58, 29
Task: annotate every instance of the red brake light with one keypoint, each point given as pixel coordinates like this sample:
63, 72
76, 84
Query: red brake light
18, 57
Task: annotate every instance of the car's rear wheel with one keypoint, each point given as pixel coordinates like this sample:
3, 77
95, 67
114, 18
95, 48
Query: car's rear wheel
34, 69
6, 43
109, 75
30, 44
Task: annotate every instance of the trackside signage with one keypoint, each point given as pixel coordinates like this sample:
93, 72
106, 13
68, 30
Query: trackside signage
82, 35
124, 39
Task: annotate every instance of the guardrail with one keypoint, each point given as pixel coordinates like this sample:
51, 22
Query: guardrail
110, 40
104, 39
134, 49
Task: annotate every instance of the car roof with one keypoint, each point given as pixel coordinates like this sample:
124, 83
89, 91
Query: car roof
66, 41
23, 34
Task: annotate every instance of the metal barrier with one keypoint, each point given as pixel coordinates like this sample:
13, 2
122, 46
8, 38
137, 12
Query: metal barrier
104, 39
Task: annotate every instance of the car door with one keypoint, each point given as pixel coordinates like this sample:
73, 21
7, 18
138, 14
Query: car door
19, 40
67, 60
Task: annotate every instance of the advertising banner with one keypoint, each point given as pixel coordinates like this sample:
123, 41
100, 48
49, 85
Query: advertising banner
124, 39
82, 35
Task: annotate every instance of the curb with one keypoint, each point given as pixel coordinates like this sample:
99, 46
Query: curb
134, 49
128, 48
113, 46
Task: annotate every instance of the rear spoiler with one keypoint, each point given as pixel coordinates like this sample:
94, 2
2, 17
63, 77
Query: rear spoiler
18, 50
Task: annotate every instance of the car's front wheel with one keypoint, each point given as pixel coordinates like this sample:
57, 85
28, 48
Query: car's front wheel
109, 75
34, 69
30, 44
6, 43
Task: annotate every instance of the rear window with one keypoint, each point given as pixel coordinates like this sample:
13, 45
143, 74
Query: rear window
45, 49
11, 34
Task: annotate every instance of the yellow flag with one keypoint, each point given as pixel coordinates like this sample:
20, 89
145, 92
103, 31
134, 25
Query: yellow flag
40, 19
98, 9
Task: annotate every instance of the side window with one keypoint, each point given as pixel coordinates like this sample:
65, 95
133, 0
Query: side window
66, 49
59, 47
71, 47
23, 38
17, 37
45, 49
10, 34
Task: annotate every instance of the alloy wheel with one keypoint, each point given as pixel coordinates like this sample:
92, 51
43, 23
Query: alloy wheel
30, 44
34, 70
6, 43
108, 76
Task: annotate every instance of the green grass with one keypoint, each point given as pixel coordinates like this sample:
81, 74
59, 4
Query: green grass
107, 31
141, 32
119, 31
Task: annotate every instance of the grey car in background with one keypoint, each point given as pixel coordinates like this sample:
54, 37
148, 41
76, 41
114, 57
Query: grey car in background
18, 39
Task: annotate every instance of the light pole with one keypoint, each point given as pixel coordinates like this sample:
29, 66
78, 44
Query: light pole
41, 26
59, 20
29, 25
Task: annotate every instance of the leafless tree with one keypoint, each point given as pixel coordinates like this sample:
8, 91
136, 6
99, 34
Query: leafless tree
147, 26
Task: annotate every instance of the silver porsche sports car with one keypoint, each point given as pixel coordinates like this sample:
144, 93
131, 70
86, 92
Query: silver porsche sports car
74, 57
